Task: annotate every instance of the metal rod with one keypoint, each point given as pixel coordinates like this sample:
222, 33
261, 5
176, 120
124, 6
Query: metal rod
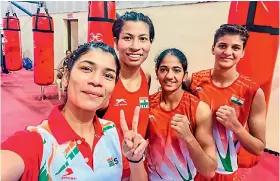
21, 8
33, 2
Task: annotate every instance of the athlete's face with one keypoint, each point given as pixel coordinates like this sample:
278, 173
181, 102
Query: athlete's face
170, 73
91, 80
228, 51
134, 43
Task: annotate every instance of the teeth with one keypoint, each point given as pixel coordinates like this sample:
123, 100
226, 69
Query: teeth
134, 56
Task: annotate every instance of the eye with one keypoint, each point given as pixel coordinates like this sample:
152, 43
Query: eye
236, 48
177, 70
127, 38
143, 39
86, 69
162, 69
109, 76
222, 46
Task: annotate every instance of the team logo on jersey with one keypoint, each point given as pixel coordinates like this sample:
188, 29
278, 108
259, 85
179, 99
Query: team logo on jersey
144, 102
198, 89
68, 174
152, 117
237, 100
112, 161
120, 102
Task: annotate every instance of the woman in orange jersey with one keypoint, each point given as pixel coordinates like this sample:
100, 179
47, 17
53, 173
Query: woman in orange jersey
180, 126
237, 102
134, 34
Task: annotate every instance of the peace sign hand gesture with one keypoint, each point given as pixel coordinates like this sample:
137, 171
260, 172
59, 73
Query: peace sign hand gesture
134, 144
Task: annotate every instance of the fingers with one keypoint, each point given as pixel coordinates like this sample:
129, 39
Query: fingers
221, 114
137, 140
123, 122
220, 120
176, 128
141, 147
180, 118
135, 118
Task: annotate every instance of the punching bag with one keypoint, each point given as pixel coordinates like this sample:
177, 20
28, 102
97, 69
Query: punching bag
261, 19
101, 16
43, 37
12, 44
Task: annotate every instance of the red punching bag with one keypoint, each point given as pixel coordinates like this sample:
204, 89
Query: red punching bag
12, 45
261, 19
43, 37
101, 16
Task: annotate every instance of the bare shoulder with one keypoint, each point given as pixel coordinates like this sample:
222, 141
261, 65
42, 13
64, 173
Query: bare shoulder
148, 78
203, 113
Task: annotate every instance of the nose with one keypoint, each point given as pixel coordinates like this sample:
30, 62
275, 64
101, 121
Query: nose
135, 45
228, 51
95, 78
169, 75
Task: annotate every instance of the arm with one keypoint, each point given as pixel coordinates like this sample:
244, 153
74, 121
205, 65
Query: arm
202, 148
138, 172
254, 141
12, 166
149, 79
201, 145
20, 154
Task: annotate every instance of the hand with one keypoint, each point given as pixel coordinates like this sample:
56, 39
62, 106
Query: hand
181, 125
226, 115
134, 144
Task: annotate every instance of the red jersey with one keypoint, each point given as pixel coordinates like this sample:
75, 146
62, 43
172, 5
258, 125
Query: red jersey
122, 99
167, 155
238, 95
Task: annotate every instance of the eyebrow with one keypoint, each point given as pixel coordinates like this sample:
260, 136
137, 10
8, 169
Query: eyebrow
139, 35
164, 66
222, 43
93, 63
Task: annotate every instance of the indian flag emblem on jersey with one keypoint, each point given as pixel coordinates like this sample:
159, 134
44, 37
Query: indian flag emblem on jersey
144, 102
107, 126
237, 100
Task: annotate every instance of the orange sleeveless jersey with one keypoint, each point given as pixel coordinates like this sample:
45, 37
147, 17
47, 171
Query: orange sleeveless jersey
122, 99
167, 155
239, 95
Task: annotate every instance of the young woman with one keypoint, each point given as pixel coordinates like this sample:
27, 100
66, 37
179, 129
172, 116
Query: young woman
180, 126
74, 144
134, 34
237, 102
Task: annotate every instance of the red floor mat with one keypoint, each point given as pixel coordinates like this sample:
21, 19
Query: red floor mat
20, 102
266, 170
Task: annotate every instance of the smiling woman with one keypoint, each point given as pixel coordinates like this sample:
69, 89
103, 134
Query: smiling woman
180, 128
74, 143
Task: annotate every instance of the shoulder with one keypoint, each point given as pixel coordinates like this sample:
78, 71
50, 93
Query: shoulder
201, 73
27, 144
203, 112
154, 99
196, 77
251, 86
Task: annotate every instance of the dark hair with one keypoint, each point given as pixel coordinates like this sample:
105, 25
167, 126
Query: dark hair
85, 48
172, 51
68, 51
175, 52
132, 16
232, 29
